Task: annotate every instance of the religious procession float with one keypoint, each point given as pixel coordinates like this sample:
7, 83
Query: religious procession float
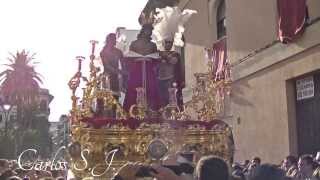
152, 121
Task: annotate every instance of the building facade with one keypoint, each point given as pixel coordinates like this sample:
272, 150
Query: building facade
44, 99
268, 118
59, 131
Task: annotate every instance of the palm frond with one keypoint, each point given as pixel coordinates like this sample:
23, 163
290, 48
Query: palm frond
38, 79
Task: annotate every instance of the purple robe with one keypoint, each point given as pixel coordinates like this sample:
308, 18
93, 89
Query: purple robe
134, 68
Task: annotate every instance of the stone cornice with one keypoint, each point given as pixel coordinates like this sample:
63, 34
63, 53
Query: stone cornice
275, 53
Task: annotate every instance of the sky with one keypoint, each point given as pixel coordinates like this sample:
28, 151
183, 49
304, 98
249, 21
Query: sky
58, 31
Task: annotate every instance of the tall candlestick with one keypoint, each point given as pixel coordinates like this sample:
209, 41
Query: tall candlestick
80, 59
93, 44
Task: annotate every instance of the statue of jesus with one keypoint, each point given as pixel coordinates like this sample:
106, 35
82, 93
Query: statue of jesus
111, 56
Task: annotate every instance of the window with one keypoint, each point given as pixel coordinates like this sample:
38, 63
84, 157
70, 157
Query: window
221, 19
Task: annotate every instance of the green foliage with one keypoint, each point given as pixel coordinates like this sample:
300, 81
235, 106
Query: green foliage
20, 85
7, 145
38, 137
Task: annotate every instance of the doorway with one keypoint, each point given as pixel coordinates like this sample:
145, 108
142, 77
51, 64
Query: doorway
308, 113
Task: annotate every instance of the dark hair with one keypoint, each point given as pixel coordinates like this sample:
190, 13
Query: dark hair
212, 167
292, 159
267, 172
110, 36
143, 29
186, 168
257, 159
3, 162
309, 160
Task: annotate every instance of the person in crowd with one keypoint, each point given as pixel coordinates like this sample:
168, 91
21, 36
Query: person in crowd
290, 166
237, 171
306, 167
267, 172
127, 171
245, 166
255, 162
160, 172
212, 167
4, 165
180, 160
246, 163
208, 168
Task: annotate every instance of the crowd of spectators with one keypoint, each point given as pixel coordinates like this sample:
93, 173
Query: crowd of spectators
9, 170
305, 167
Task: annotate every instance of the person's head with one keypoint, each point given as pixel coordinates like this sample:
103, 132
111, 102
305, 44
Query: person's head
111, 39
306, 164
267, 172
256, 160
290, 161
167, 44
212, 167
146, 32
4, 164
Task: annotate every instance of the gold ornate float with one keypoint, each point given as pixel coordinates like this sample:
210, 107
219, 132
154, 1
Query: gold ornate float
139, 135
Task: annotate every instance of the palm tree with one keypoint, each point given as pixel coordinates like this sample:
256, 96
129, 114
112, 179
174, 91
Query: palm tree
20, 82
20, 87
